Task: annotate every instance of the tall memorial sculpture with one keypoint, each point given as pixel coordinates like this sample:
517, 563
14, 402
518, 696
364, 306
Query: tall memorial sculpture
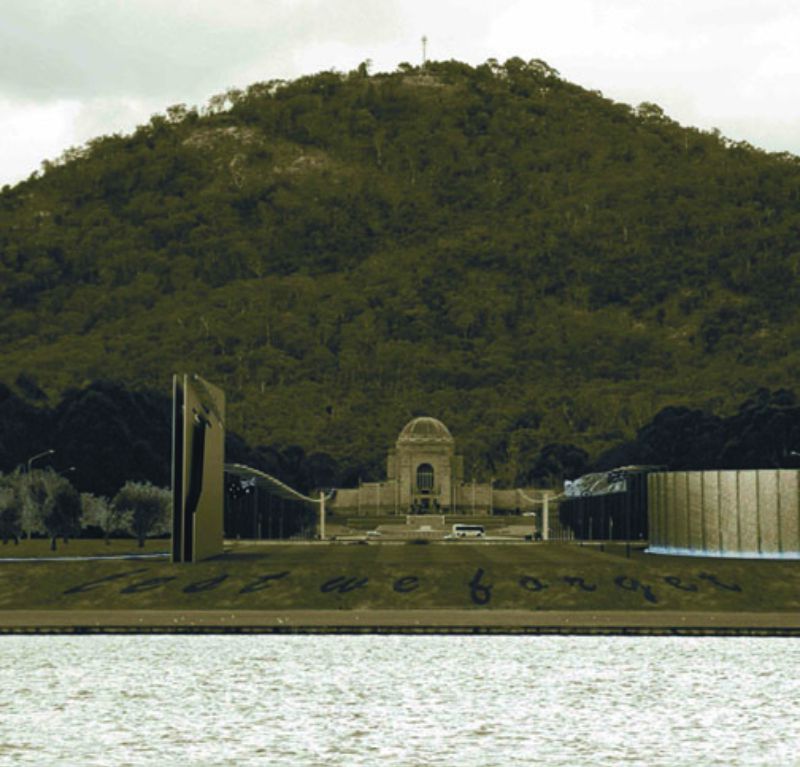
198, 455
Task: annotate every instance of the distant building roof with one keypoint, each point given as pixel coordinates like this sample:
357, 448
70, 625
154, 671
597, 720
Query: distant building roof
425, 430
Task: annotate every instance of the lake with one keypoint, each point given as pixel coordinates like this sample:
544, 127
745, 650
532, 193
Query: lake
399, 700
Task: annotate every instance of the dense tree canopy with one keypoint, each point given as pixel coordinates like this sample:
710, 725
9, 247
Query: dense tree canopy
527, 260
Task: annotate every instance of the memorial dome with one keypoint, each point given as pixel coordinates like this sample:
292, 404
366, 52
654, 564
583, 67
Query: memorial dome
425, 430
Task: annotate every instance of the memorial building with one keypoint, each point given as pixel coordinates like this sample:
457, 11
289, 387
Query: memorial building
425, 475
424, 467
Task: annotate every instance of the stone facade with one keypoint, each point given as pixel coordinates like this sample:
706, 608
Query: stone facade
424, 474
424, 468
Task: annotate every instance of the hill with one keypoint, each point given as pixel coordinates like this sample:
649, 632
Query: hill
523, 258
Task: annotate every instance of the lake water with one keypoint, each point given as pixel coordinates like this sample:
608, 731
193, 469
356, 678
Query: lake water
398, 700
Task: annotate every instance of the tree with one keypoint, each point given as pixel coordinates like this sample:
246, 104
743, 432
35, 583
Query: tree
33, 489
764, 434
113, 434
61, 512
149, 508
10, 510
557, 462
322, 470
99, 513
681, 438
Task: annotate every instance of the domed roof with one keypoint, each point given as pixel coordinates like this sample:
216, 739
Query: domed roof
425, 430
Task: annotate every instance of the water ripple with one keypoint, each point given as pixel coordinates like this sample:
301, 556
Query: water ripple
403, 700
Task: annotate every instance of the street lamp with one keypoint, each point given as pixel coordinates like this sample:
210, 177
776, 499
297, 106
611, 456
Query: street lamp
38, 455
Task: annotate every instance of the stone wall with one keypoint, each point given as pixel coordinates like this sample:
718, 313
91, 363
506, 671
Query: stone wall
519, 498
473, 498
381, 498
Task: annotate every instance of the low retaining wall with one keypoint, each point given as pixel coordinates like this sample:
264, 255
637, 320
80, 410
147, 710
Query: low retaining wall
739, 514
381, 498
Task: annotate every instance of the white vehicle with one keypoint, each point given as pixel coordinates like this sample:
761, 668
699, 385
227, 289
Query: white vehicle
468, 531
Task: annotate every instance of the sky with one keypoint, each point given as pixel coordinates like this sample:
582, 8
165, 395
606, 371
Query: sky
71, 70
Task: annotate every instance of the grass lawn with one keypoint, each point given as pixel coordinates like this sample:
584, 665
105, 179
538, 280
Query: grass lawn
81, 547
458, 575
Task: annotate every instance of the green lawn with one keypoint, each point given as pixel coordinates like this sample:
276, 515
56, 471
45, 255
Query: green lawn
81, 547
397, 576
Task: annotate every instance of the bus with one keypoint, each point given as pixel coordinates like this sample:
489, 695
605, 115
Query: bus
468, 531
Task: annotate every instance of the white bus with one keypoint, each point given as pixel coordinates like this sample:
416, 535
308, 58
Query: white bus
468, 531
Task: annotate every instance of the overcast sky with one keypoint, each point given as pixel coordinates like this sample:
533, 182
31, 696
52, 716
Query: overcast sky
74, 69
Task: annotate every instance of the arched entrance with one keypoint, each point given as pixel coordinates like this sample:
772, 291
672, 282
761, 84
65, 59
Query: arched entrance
424, 478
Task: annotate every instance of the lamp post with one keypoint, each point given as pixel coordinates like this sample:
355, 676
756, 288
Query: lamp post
28, 465
50, 451
546, 517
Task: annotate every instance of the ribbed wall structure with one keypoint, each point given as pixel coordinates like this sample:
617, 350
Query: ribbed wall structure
737, 514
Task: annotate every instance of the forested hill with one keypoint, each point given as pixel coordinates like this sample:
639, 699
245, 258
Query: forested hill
520, 257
